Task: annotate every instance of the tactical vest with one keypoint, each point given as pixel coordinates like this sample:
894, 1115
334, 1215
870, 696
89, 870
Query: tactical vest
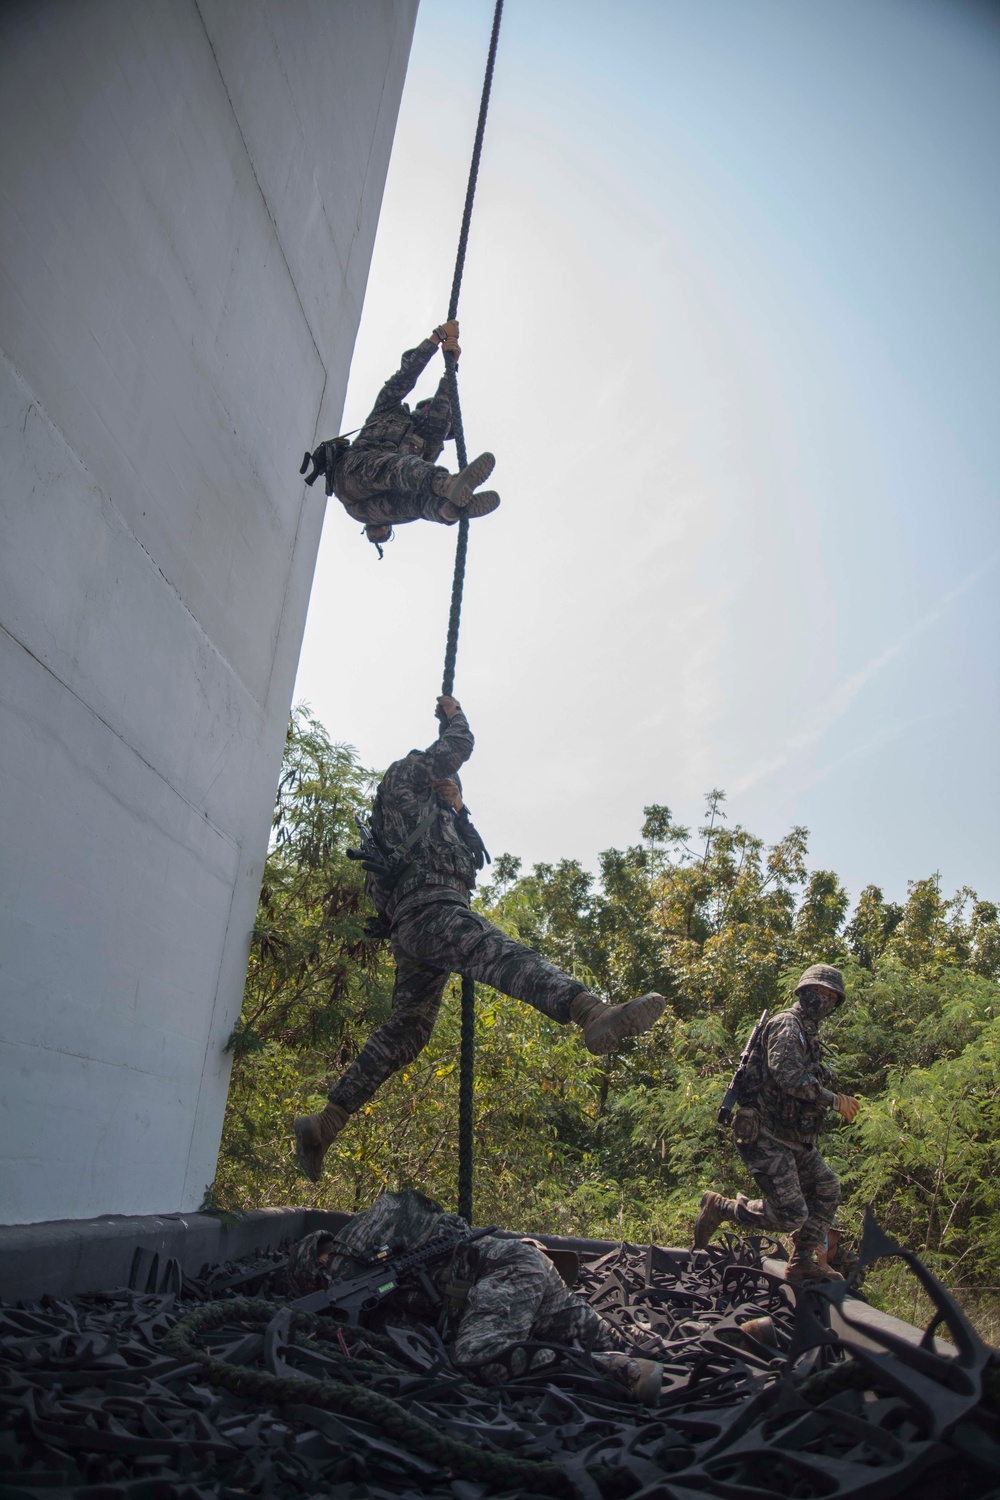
785, 1115
392, 432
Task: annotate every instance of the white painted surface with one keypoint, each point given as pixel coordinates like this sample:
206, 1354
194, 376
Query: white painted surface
188, 200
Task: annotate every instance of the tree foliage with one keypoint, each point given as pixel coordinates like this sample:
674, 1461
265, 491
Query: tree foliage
717, 920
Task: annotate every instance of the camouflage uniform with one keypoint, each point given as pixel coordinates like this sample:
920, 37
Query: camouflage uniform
433, 931
515, 1294
800, 1192
389, 473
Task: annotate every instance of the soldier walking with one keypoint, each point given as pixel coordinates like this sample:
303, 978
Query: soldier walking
785, 1101
432, 853
390, 474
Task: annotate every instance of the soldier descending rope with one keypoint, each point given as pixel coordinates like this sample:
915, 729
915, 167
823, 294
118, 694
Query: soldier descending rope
784, 1101
420, 886
389, 474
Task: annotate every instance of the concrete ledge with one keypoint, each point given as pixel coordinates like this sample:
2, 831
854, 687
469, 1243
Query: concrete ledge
70, 1257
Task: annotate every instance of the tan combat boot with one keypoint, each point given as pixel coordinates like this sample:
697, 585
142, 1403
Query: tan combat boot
714, 1210
804, 1266
604, 1026
314, 1134
483, 502
457, 488
643, 1378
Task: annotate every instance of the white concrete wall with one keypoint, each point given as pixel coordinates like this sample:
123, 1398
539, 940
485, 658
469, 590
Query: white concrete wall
188, 200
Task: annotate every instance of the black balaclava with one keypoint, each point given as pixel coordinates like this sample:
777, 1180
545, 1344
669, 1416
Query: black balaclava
817, 1002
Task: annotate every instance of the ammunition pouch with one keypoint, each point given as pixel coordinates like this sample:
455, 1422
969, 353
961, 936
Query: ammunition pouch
324, 460
746, 1125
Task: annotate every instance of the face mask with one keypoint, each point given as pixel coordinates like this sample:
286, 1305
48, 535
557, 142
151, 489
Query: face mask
816, 1002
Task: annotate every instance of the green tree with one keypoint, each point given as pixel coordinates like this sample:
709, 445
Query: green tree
719, 921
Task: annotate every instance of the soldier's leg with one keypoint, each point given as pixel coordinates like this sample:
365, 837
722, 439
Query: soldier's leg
416, 1000
448, 935
395, 508
391, 488
781, 1208
451, 935
509, 1281
367, 473
517, 1296
821, 1190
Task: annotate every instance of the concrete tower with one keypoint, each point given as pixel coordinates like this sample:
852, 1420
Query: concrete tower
189, 191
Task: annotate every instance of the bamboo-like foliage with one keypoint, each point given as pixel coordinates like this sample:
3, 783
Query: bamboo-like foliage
717, 920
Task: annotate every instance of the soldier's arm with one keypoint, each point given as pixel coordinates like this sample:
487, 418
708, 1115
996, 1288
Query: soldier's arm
453, 748
788, 1064
413, 362
435, 418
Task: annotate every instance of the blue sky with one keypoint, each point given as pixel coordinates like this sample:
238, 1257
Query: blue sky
730, 321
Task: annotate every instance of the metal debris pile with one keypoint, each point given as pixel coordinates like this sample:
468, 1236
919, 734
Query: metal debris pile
213, 1389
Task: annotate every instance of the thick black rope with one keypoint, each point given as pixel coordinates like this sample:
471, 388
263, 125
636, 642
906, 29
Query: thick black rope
466, 1099
467, 1064
455, 616
348, 1398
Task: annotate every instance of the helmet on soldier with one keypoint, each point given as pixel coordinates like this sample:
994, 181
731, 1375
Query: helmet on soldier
826, 977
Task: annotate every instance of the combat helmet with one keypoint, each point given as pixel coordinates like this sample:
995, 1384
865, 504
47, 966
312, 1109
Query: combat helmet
826, 975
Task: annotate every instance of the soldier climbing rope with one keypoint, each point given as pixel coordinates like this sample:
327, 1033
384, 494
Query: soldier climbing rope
327, 460
466, 1087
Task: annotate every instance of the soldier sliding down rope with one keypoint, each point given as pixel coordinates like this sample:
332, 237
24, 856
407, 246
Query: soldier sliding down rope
389, 474
420, 888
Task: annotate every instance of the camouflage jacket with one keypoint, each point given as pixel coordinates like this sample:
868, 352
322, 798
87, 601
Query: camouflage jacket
392, 428
439, 860
795, 1095
406, 1221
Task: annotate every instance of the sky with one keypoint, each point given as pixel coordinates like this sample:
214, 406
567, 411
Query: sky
730, 324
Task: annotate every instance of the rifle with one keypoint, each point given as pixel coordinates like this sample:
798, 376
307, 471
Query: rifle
732, 1094
371, 854
388, 867
385, 1268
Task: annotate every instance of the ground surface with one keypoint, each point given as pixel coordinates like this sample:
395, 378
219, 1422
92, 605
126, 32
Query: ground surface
209, 1389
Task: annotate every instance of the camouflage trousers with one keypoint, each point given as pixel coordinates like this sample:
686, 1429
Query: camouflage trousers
514, 1293
800, 1192
517, 1296
390, 488
430, 942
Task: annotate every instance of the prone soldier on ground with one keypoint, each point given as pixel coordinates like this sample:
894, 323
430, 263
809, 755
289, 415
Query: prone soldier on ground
784, 1099
427, 855
486, 1296
390, 473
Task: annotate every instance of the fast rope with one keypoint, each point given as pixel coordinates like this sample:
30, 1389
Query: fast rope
466, 1083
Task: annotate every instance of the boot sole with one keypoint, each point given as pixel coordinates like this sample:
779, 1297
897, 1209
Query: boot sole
632, 1019
480, 468
308, 1155
483, 504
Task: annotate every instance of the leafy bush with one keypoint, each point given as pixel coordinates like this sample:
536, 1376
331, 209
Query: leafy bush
719, 922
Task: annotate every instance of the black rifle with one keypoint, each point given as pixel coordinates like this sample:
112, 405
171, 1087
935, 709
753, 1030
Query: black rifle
732, 1095
385, 1269
372, 856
